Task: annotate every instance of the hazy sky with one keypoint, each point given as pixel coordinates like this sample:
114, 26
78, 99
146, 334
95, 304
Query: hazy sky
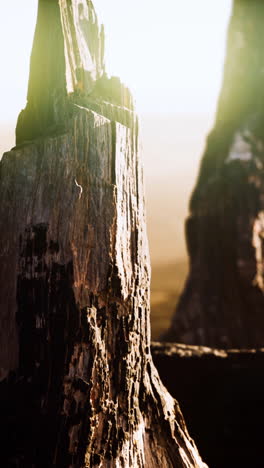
170, 53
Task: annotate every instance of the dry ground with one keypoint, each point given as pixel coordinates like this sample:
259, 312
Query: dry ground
166, 286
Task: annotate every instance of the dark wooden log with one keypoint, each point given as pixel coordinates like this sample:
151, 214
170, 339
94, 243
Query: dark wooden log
221, 393
78, 386
223, 301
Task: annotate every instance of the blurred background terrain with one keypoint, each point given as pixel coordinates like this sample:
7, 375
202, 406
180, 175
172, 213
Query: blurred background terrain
171, 157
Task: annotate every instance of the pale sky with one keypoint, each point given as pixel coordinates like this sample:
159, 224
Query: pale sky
169, 53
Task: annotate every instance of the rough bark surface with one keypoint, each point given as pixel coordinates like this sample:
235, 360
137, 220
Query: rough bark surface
78, 386
223, 302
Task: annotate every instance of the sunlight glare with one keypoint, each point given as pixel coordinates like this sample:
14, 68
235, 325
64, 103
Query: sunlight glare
17, 25
171, 56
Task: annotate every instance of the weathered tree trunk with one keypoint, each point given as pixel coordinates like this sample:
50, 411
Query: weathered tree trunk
223, 301
78, 386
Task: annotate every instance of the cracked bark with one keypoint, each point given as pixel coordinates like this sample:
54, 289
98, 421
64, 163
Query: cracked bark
78, 386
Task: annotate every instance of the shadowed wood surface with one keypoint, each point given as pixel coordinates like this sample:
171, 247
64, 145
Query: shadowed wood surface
222, 304
221, 394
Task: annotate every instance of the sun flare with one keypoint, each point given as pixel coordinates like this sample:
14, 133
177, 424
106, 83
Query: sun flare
170, 56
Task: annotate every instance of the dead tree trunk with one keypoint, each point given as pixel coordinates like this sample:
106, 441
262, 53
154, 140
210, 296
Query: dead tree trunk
78, 386
223, 302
